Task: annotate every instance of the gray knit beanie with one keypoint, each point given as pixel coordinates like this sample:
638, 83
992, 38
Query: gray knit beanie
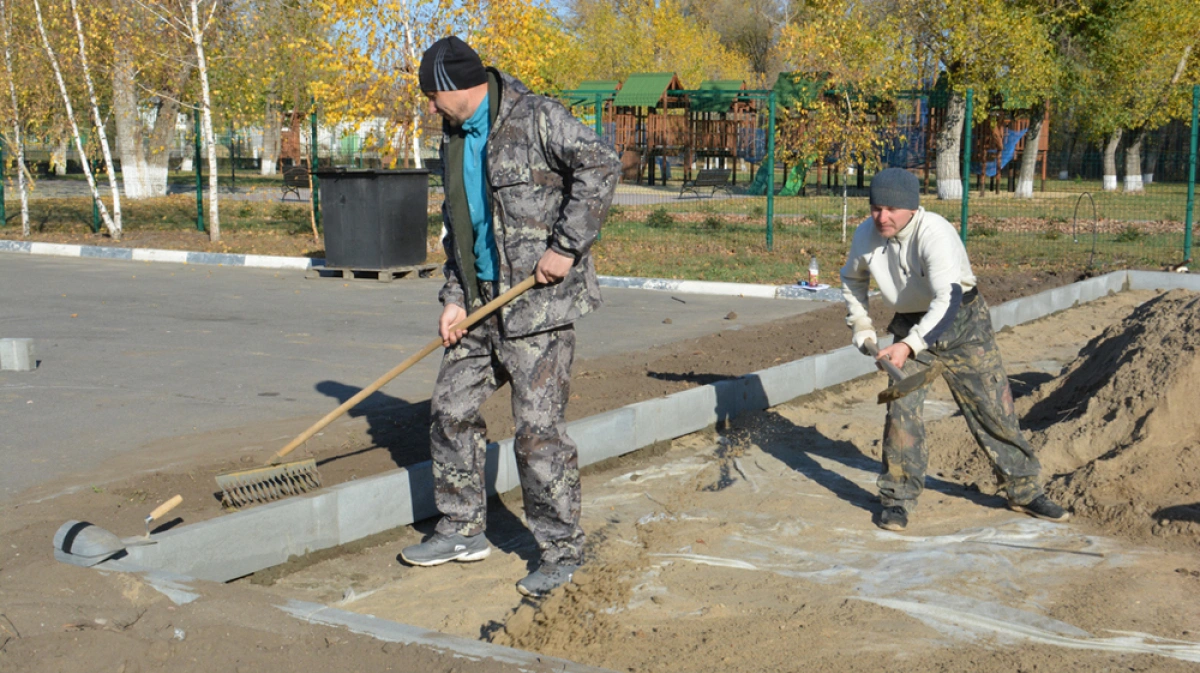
897, 188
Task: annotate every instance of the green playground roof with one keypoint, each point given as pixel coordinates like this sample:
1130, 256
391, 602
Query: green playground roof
645, 89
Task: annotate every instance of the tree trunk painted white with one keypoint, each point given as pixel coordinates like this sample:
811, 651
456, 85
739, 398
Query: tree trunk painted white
130, 148
210, 145
418, 160
109, 166
1110, 161
272, 121
114, 228
15, 122
1133, 163
161, 135
1033, 141
58, 155
949, 150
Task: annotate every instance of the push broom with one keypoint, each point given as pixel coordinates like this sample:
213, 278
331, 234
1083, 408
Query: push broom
277, 479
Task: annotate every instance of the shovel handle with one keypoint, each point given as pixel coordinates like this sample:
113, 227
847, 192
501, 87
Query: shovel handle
164, 508
884, 363
466, 323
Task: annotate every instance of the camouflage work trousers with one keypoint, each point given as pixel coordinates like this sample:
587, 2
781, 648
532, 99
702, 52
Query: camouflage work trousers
538, 367
975, 373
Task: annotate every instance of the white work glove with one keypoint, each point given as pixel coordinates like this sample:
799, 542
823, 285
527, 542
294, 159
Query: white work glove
861, 338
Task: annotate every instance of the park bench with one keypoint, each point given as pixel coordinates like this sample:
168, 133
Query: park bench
715, 178
295, 178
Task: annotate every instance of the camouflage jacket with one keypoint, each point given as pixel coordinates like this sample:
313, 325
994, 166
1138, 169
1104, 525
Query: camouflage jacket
551, 182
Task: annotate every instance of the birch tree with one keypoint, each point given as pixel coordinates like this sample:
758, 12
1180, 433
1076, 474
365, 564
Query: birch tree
991, 46
192, 19
271, 53
376, 46
1139, 57
15, 119
150, 71
857, 54
110, 168
113, 227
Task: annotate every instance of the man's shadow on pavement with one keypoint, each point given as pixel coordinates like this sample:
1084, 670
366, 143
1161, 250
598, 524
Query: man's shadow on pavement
393, 423
799, 447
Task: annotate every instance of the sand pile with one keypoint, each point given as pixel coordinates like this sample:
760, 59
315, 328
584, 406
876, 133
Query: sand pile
575, 617
1118, 433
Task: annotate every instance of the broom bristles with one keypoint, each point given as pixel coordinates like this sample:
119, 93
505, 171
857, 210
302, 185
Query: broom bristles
265, 484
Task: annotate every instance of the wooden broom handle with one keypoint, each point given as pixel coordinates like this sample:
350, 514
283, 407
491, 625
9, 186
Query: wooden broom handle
465, 323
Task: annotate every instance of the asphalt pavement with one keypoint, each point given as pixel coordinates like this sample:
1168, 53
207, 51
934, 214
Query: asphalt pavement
132, 353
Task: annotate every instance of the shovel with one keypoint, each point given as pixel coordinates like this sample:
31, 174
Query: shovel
901, 384
85, 544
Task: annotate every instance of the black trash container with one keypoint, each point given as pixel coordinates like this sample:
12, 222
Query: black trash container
374, 220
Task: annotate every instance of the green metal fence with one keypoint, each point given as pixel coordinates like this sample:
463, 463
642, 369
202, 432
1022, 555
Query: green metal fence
705, 195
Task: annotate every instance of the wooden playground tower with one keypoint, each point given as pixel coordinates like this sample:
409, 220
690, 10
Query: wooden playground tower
652, 117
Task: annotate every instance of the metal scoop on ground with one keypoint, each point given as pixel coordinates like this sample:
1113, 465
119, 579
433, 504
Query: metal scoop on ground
85, 544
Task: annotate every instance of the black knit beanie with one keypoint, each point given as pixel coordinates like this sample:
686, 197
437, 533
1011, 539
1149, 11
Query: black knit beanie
450, 65
897, 188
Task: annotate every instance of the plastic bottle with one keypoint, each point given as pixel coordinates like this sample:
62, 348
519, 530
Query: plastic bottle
814, 273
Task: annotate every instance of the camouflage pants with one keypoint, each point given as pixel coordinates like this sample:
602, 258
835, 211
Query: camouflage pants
538, 367
976, 376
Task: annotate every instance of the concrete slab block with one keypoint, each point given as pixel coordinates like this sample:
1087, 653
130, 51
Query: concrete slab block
383, 502
727, 289
151, 255
101, 252
17, 355
738, 396
500, 468
275, 262
215, 258
56, 249
238, 544
1163, 280
841, 365
605, 435
16, 246
675, 415
788, 381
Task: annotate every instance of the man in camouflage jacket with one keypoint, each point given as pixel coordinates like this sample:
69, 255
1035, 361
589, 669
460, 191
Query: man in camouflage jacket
527, 188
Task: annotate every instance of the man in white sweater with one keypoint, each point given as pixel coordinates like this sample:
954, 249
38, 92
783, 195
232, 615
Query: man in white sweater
922, 271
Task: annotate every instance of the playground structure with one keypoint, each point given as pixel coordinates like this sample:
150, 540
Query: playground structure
653, 122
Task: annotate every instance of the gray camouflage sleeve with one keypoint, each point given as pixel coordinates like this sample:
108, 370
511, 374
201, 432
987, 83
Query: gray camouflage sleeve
590, 170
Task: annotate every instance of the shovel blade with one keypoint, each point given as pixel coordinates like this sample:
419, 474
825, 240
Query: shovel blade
910, 383
85, 544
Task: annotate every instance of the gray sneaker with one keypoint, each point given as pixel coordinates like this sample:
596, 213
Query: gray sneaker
441, 549
547, 578
1043, 508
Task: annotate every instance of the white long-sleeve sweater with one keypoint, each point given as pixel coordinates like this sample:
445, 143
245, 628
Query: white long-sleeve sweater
922, 269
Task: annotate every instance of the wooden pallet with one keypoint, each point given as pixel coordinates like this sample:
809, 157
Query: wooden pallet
381, 275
